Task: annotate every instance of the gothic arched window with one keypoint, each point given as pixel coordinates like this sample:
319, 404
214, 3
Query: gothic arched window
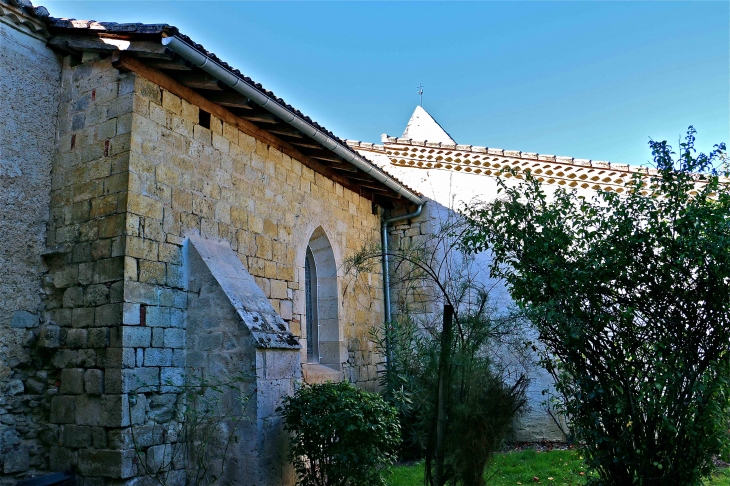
322, 320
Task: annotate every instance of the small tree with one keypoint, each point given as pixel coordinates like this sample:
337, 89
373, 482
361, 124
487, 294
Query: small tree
458, 400
341, 436
631, 292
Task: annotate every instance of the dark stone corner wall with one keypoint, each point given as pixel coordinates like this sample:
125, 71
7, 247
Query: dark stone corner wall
30, 78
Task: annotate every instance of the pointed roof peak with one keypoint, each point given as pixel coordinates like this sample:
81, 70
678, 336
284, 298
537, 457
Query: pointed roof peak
423, 127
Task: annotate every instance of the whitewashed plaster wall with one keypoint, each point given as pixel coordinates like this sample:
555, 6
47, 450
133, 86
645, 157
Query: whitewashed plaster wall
448, 191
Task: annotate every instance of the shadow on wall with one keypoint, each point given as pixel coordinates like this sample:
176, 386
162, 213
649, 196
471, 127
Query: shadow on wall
419, 297
232, 330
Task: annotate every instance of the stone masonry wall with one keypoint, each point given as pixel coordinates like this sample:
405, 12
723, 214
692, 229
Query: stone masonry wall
30, 75
133, 175
80, 343
225, 185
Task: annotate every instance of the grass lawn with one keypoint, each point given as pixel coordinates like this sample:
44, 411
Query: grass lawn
557, 467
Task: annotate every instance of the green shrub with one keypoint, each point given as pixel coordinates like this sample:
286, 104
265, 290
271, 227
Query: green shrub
630, 292
340, 435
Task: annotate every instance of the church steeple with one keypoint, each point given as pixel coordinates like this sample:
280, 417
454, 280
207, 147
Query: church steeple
423, 127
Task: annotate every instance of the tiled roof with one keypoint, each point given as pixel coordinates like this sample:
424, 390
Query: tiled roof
551, 169
22, 12
139, 29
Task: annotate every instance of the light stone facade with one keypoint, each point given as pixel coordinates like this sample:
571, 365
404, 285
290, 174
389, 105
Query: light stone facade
110, 308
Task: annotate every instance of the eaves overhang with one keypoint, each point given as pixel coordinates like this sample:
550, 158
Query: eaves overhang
162, 48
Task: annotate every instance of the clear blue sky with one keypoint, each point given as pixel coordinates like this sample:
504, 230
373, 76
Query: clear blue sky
585, 79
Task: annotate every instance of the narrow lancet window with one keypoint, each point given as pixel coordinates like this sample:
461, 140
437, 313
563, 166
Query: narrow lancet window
310, 286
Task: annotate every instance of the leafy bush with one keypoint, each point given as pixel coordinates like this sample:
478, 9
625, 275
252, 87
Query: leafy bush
631, 293
340, 435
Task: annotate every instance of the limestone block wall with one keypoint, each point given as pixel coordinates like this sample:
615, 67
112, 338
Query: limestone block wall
30, 76
79, 344
99, 350
235, 337
222, 184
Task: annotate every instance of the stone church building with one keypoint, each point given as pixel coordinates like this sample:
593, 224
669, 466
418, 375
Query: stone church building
167, 221
166, 218
450, 176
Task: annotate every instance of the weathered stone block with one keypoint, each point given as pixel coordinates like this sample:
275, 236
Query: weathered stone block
158, 316
170, 253
177, 318
62, 459
107, 463
50, 337
116, 292
64, 358
158, 337
109, 270
83, 317
98, 338
172, 379
158, 357
147, 207
63, 410
99, 438
60, 317
159, 457
285, 309
175, 276
109, 315
174, 338
136, 337
100, 249
130, 315
74, 338
111, 226
178, 357
86, 273
76, 436
86, 358
16, 461
94, 382
140, 380
102, 411
73, 297
152, 272
24, 319
140, 293
72, 381
278, 289
96, 295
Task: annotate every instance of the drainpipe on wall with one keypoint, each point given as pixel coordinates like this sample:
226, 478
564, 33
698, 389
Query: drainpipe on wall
386, 273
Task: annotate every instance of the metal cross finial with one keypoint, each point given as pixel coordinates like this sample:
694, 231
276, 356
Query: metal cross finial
420, 92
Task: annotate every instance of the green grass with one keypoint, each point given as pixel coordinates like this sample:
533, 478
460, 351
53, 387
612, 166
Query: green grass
561, 468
